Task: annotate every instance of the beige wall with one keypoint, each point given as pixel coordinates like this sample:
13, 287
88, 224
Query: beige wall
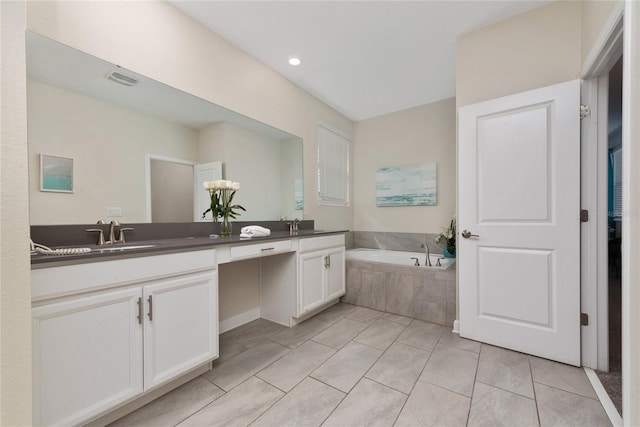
253, 160
535, 49
418, 135
108, 144
259, 163
15, 290
154, 39
594, 15
239, 288
212, 146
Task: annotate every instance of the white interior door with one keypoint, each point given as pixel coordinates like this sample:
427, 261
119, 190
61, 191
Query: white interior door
201, 173
519, 201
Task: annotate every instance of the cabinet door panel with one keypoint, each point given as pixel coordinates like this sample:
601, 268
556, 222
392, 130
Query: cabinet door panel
335, 273
181, 326
312, 271
87, 356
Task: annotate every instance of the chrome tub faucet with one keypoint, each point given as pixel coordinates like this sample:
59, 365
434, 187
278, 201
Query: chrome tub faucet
427, 261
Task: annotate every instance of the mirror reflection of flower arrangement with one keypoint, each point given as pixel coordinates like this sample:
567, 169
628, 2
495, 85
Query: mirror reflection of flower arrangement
222, 192
449, 237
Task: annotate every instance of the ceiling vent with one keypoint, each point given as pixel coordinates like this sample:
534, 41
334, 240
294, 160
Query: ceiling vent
122, 79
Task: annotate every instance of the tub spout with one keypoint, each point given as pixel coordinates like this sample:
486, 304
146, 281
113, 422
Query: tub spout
427, 261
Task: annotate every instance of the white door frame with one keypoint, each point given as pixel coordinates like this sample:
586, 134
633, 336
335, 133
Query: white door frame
630, 199
631, 215
594, 239
147, 175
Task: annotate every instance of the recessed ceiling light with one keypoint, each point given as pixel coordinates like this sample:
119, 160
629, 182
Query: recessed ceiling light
295, 61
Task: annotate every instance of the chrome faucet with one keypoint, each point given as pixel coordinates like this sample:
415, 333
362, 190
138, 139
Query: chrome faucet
293, 226
112, 231
427, 261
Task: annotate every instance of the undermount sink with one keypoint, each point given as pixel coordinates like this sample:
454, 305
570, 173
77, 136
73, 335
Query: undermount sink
123, 248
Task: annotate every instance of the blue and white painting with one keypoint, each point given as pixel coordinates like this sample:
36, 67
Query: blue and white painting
413, 185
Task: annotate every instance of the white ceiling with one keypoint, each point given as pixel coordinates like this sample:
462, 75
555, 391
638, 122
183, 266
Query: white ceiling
364, 58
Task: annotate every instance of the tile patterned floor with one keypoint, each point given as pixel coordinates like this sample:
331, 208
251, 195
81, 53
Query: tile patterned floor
353, 366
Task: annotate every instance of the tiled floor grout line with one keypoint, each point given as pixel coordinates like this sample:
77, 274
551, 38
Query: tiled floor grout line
533, 385
417, 378
473, 387
309, 375
566, 391
335, 407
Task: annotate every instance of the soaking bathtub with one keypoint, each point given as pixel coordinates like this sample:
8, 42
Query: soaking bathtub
398, 258
389, 281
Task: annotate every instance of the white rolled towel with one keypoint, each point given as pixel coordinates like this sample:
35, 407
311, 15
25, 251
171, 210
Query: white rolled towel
254, 231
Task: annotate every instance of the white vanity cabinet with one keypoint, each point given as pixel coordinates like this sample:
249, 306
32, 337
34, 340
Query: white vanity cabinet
137, 324
87, 356
180, 326
321, 272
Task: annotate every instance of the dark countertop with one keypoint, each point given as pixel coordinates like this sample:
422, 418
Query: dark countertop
161, 246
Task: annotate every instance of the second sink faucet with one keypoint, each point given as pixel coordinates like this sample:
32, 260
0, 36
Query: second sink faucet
112, 231
293, 226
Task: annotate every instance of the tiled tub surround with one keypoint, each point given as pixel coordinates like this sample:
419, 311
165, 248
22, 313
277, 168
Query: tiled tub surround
416, 292
409, 242
408, 259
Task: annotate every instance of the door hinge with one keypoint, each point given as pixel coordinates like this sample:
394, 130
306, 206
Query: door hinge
585, 111
584, 215
584, 319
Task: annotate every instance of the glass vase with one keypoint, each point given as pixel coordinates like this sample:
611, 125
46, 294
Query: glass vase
225, 226
449, 252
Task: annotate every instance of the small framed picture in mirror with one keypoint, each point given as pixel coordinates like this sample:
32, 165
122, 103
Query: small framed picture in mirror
56, 174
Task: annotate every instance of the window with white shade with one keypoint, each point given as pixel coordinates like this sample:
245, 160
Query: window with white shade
616, 166
333, 167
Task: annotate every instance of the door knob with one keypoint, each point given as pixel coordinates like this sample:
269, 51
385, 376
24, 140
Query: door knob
466, 234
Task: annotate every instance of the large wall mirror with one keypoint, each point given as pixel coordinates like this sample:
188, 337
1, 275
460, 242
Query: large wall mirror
137, 146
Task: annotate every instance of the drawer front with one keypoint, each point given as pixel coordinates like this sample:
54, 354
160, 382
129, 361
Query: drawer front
316, 243
260, 250
73, 279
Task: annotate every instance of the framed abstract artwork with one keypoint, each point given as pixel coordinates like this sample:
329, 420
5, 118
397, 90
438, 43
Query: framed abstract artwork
412, 185
56, 174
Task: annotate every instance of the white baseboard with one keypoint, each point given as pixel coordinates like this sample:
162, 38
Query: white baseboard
456, 327
605, 400
239, 320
